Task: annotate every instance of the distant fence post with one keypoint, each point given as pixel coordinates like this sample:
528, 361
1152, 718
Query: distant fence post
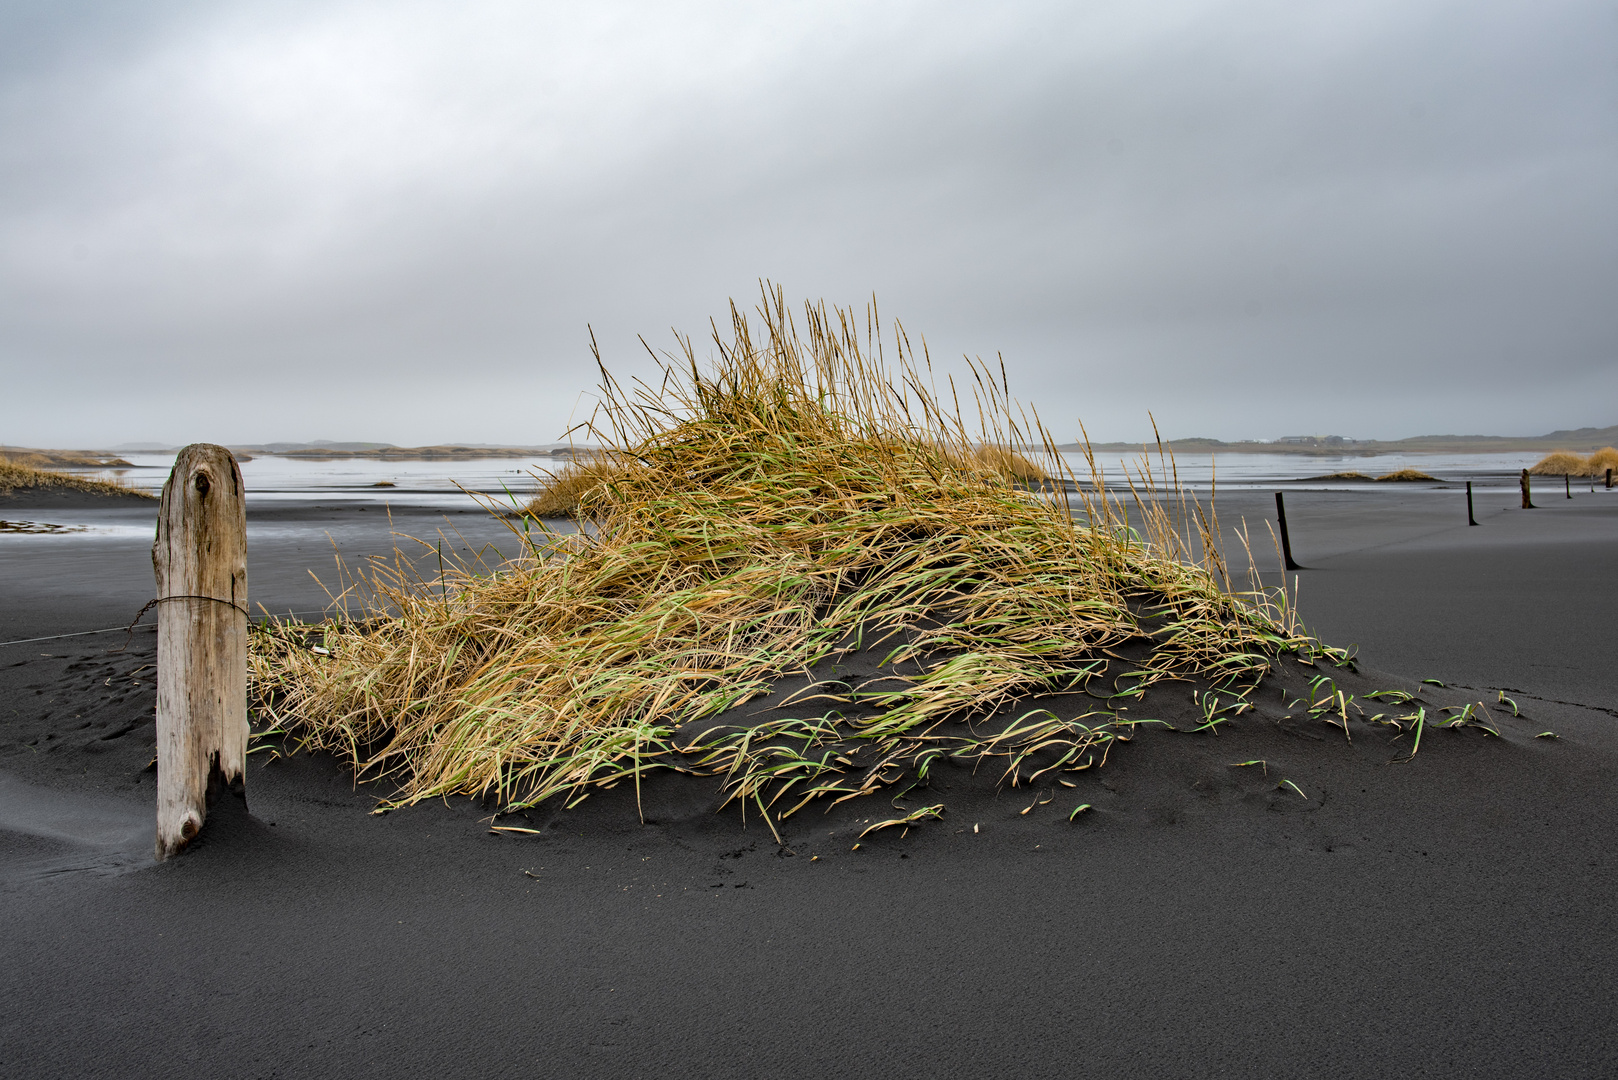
1470, 520
200, 559
1609, 478
1527, 501
1286, 541
1567, 485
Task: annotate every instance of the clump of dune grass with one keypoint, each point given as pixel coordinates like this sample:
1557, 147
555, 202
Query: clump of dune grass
1405, 476
15, 476
993, 462
561, 491
1564, 463
799, 497
57, 459
1357, 477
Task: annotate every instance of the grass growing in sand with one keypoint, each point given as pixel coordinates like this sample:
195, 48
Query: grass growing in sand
567, 489
1562, 463
14, 475
798, 498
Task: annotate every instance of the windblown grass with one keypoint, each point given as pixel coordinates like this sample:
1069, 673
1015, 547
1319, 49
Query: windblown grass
1563, 463
799, 498
563, 489
1405, 476
59, 459
991, 462
15, 476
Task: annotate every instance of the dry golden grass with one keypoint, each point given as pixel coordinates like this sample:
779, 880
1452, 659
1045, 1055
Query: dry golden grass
45, 459
995, 462
1405, 476
1602, 460
1561, 463
15, 476
563, 489
798, 497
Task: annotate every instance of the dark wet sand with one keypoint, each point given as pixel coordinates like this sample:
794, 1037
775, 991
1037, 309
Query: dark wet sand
1454, 916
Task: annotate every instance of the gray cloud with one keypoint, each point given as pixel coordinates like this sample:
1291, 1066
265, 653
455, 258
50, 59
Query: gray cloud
395, 221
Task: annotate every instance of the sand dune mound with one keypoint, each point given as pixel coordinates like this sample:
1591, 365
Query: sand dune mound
17, 478
1339, 477
796, 510
1563, 463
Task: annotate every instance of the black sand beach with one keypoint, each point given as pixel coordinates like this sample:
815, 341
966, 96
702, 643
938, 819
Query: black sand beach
1452, 916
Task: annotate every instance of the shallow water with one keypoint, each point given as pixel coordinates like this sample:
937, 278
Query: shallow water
401, 483
504, 481
37, 528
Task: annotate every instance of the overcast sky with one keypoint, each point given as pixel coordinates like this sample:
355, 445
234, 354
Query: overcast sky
394, 221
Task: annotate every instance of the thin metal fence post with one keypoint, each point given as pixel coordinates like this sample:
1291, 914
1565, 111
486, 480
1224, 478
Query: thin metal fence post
1286, 541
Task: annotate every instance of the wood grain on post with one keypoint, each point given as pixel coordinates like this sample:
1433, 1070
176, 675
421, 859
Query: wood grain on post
201, 562
1527, 499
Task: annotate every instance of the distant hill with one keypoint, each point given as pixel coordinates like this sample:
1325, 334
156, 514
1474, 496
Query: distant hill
321, 450
330, 451
1576, 440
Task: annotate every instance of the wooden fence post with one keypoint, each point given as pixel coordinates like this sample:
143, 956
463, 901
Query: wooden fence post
200, 559
1527, 500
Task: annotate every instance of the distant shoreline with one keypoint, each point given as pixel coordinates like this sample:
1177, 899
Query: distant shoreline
1581, 440
1578, 440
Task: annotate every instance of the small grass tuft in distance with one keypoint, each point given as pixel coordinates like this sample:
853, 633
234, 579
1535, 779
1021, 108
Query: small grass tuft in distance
562, 491
1563, 463
1358, 477
15, 475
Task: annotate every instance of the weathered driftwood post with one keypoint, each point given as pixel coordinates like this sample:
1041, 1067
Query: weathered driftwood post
1527, 496
1470, 520
201, 562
